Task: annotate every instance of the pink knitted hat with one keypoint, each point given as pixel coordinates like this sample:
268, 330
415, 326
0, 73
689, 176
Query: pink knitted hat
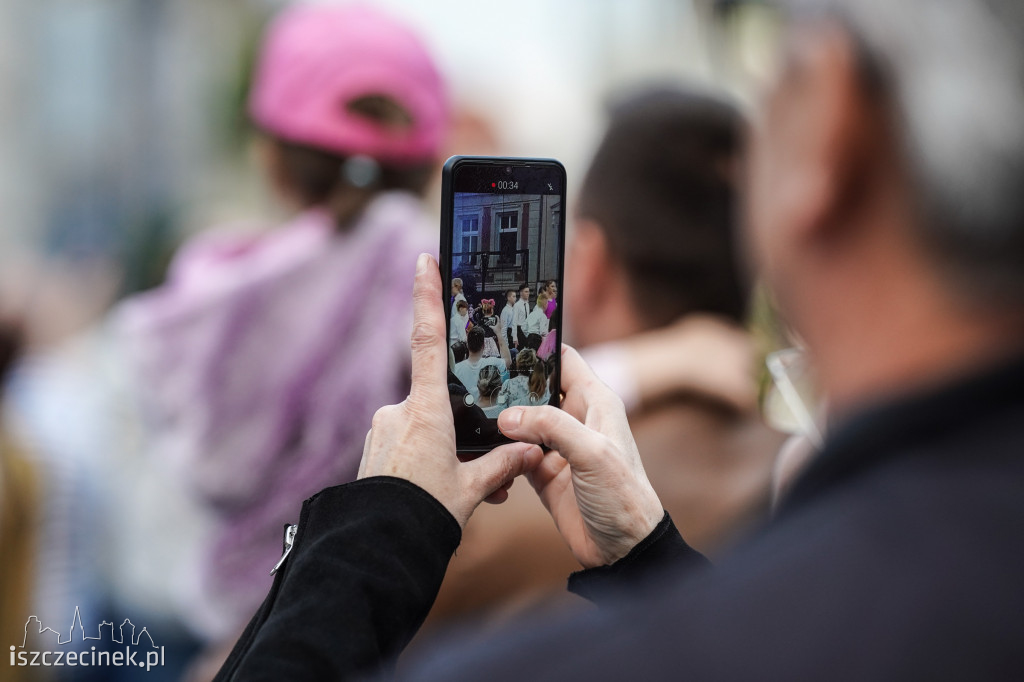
317, 58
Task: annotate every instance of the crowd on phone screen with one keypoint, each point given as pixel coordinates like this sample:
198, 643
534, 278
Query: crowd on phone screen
507, 357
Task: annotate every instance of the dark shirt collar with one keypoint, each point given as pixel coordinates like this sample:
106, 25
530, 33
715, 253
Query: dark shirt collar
883, 431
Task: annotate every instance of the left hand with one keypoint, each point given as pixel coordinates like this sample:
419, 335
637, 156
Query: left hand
415, 439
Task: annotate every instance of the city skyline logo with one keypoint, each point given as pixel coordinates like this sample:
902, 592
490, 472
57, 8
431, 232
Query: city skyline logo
39, 645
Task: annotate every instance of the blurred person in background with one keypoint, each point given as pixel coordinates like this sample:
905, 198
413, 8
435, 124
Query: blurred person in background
18, 516
262, 359
657, 302
654, 288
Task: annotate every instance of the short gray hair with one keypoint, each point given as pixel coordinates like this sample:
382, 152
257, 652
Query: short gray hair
954, 73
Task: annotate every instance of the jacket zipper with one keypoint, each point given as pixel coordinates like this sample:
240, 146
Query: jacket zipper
244, 644
289, 540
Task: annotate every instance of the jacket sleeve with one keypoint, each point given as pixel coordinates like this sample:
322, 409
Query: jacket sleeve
366, 564
663, 548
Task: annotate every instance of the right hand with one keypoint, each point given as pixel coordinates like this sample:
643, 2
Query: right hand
591, 481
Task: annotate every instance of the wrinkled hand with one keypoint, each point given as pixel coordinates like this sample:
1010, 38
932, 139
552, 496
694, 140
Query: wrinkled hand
415, 439
592, 481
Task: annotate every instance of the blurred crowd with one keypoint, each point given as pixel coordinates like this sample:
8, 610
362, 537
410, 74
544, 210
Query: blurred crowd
205, 293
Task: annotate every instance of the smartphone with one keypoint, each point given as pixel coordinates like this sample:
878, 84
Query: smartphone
502, 257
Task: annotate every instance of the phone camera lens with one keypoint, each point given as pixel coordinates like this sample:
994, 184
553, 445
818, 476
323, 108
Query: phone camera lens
508, 170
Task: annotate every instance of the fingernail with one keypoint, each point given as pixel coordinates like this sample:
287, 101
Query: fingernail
511, 418
422, 263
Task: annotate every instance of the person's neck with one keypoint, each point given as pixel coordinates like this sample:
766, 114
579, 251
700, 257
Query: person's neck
476, 357
904, 333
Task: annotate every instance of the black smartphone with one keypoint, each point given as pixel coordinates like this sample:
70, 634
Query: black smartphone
502, 257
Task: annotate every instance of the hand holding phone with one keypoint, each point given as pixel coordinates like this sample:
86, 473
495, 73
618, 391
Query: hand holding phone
408, 441
502, 233
610, 505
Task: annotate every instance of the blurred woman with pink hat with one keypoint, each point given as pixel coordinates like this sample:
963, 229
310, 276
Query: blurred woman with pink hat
262, 359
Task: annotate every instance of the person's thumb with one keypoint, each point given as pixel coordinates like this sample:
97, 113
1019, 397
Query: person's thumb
490, 472
554, 428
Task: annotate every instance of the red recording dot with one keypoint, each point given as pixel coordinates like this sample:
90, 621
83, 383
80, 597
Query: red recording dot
494, 184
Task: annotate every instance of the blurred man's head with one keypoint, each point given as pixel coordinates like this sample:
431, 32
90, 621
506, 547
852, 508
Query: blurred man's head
510, 296
655, 228
461, 307
524, 292
886, 208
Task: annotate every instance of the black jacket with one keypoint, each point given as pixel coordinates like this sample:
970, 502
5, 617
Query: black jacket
899, 555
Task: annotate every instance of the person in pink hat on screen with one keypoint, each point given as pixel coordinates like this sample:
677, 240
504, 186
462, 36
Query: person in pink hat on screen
262, 359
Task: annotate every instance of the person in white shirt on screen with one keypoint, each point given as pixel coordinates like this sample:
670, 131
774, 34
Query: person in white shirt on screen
457, 294
468, 371
520, 311
537, 321
460, 321
489, 385
506, 317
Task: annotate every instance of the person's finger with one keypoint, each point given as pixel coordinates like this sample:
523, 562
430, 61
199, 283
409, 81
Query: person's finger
429, 353
550, 426
492, 471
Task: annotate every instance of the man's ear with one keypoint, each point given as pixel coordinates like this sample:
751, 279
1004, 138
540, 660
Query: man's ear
839, 126
587, 265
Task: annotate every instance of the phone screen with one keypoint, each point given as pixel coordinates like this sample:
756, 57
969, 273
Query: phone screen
503, 256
